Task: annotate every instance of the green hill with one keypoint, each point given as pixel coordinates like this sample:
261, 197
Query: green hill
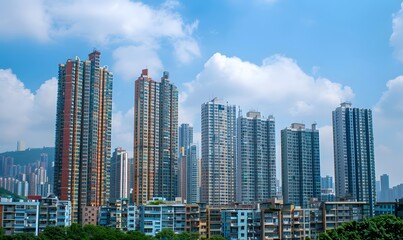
8, 194
30, 155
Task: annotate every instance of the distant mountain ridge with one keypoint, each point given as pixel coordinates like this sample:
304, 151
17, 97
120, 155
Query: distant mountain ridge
30, 155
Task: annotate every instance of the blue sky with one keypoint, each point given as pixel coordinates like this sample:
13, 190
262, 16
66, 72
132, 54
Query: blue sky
295, 60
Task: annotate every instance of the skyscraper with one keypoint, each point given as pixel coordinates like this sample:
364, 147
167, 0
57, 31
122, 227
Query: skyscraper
185, 140
300, 164
218, 152
155, 138
326, 182
185, 137
119, 170
192, 176
354, 154
83, 133
385, 188
256, 158
189, 166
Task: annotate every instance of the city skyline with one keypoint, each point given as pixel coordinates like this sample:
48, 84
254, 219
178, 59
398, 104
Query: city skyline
342, 51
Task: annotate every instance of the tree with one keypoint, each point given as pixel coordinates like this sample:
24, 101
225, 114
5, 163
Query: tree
188, 236
76, 232
53, 233
137, 235
217, 237
23, 236
166, 234
380, 227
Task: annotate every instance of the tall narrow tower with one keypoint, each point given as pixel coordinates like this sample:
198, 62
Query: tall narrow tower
119, 173
218, 152
83, 133
354, 160
256, 158
155, 138
189, 167
300, 164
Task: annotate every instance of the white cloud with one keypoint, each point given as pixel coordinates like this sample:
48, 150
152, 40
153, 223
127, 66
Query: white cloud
21, 18
103, 22
25, 115
129, 61
388, 131
278, 86
396, 39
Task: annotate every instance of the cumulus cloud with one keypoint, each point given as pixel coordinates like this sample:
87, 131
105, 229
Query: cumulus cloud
25, 115
122, 22
388, 133
278, 86
396, 39
21, 18
130, 60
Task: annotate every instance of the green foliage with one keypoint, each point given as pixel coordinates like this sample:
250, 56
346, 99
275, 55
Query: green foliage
53, 233
23, 236
156, 202
91, 232
166, 234
136, 235
30, 155
7, 194
188, 236
381, 227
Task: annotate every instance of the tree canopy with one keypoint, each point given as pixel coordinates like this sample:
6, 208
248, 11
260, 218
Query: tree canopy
380, 227
92, 232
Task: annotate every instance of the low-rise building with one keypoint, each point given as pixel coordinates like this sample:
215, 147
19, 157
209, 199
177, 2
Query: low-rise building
382, 208
89, 215
158, 214
333, 214
241, 223
34, 215
19, 217
119, 215
54, 212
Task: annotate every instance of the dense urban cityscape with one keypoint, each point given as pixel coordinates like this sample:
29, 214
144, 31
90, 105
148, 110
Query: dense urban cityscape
229, 190
185, 120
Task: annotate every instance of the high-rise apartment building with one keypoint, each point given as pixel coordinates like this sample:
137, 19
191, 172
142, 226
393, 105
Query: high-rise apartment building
218, 129
185, 137
354, 159
185, 140
326, 182
119, 170
193, 176
385, 188
189, 167
155, 139
300, 164
256, 158
83, 133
